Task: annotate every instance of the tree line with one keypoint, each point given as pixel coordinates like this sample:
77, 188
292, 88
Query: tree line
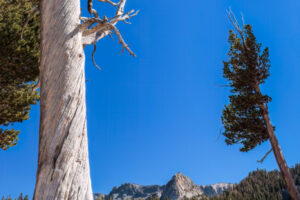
261, 185
20, 197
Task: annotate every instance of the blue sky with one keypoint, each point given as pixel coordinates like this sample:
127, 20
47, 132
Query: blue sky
152, 116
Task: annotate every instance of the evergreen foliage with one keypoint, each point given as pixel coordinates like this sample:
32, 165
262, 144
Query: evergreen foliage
19, 198
19, 63
246, 68
261, 185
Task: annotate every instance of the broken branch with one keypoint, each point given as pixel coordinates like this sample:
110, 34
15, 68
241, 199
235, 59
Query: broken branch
121, 7
265, 156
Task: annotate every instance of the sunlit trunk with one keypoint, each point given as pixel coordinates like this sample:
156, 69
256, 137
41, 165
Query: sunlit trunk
63, 163
291, 187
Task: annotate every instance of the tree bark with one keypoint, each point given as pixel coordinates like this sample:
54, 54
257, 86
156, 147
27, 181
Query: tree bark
291, 187
63, 164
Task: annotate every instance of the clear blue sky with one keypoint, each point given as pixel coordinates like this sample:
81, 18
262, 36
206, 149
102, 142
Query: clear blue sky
152, 116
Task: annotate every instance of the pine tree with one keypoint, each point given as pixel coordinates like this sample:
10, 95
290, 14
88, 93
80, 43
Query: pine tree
246, 119
20, 197
242, 118
19, 63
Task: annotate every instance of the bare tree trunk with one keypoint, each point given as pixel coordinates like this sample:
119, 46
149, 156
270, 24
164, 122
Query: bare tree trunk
63, 164
291, 187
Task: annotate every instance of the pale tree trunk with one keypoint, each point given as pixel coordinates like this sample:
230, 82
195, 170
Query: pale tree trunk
291, 187
63, 164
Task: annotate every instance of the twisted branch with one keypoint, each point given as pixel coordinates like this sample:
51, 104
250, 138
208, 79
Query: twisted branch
103, 30
94, 28
93, 53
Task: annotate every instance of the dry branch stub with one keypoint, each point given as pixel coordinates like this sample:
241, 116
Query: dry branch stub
94, 28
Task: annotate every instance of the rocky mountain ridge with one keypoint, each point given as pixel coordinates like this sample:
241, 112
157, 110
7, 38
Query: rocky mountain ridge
177, 188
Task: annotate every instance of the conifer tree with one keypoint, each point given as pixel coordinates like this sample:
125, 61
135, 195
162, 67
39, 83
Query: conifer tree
19, 62
246, 119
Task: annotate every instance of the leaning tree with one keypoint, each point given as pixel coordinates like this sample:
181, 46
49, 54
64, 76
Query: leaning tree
63, 163
246, 119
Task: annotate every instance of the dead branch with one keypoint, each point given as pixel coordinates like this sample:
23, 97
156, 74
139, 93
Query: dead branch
121, 41
37, 86
32, 12
91, 10
93, 59
236, 25
94, 29
265, 156
243, 20
221, 85
220, 134
110, 2
87, 22
121, 7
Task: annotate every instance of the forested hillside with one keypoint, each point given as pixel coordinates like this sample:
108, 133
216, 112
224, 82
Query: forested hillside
261, 185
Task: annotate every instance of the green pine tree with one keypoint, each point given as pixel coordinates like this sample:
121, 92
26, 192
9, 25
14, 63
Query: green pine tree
242, 118
246, 119
19, 63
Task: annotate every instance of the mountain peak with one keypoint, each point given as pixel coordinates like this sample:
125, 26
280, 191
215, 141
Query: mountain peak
178, 174
181, 186
177, 188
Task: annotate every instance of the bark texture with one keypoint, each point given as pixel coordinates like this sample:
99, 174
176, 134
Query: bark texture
291, 187
63, 164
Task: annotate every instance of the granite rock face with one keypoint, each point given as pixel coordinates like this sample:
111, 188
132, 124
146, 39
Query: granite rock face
181, 186
177, 188
129, 191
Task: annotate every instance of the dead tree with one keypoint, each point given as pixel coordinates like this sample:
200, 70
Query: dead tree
63, 161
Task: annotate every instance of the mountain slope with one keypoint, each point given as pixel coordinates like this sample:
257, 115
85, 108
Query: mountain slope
179, 187
129, 190
261, 185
